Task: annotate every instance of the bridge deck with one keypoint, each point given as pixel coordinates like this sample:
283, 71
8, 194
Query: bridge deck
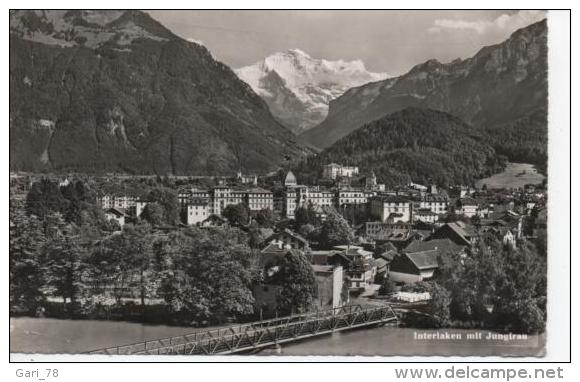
260, 334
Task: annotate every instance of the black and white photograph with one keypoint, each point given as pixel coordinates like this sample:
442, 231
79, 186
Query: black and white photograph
279, 184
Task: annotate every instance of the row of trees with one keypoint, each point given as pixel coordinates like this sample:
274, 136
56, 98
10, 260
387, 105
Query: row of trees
205, 275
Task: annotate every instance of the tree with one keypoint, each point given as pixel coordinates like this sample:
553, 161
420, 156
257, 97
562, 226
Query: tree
257, 236
153, 213
167, 199
26, 275
308, 231
298, 284
335, 231
306, 215
265, 218
44, 198
124, 257
210, 274
521, 289
80, 199
387, 287
439, 303
64, 261
237, 214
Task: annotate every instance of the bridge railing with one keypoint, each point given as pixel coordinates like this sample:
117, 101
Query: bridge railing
204, 338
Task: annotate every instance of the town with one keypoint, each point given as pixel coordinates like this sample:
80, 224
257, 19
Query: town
211, 250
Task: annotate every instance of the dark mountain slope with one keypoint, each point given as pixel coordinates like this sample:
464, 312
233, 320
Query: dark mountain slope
115, 91
500, 85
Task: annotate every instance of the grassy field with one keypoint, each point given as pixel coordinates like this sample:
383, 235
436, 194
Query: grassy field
515, 175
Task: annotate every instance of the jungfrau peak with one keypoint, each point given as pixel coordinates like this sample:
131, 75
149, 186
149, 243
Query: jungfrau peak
298, 87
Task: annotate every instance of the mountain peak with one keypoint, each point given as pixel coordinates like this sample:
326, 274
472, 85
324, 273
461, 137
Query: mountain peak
302, 87
298, 52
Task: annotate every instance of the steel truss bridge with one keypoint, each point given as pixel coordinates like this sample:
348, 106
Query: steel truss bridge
260, 334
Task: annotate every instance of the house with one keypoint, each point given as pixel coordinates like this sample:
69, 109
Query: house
411, 267
334, 170
116, 214
461, 191
398, 235
371, 183
138, 208
289, 240
382, 269
280, 243
503, 232
425, 216
508, 238
330, 287
301, 196
467, 207
351, 196
323, 257
459, 232
442, 246
392, 209
418, 187
196, 212
214, 221
361, 269
272, 252
247, 179
124, 202
258, 199
437, 204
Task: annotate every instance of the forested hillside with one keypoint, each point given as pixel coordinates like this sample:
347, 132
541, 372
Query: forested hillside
421, 145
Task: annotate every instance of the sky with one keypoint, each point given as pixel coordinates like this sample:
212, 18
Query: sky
386, 41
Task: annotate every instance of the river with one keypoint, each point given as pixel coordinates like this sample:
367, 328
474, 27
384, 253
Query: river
46, 335
515, 175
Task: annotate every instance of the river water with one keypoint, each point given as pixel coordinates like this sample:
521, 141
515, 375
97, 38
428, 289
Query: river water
45, 335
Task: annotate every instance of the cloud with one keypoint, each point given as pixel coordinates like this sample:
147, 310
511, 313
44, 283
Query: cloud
504, 22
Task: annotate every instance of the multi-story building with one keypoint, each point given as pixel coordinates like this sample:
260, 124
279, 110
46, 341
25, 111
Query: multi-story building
437, 204
333, 171
259, 199
192, 194
196, 211
300, 196
371, 183
220, 197
391, 209
425, 215
467, 207
352, 196
118, 201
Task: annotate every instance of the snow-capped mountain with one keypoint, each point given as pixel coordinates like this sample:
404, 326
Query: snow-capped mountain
298, 88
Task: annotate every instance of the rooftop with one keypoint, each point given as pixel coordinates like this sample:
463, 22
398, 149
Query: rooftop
424, 259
